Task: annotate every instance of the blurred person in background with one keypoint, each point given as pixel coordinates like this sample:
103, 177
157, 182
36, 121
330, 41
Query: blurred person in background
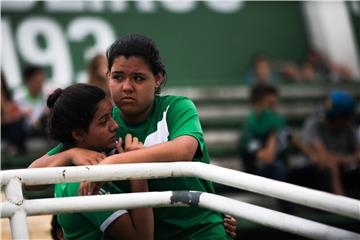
327, 68
97, 72
12, 121
31, 98
263, 140
289, 72
258, 142
333, 144
261, 72
308, 73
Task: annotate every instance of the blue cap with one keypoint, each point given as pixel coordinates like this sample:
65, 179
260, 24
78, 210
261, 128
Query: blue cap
340, 104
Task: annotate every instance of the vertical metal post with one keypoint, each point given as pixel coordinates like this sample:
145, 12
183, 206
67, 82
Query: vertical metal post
18, 223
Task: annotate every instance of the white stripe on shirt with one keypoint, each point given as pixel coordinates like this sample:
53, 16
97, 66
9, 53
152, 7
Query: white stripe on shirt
112, 218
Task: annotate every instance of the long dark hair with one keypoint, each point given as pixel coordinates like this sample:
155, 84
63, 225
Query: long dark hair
72, 108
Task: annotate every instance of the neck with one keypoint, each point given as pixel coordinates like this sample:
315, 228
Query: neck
138, 117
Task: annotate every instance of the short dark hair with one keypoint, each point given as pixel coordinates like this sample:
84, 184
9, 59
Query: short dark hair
260, 91
72, 108
30, 71
137, 45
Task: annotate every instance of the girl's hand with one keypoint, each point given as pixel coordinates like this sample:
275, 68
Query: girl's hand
80, 157
90, 188
118, 146
132, 143
230, 226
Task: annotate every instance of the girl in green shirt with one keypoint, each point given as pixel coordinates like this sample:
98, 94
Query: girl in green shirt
80, 117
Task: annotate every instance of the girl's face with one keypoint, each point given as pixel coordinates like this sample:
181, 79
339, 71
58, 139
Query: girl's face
132, 85
101, 135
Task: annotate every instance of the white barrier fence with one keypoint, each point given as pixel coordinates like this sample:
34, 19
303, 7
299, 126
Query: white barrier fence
17, 208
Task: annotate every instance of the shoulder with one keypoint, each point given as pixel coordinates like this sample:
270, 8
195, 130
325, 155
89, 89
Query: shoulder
172, 98
115, 110
58, 149
175, 102
116, 114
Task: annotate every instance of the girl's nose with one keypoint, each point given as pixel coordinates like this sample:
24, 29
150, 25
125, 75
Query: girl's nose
127, 85
113, 125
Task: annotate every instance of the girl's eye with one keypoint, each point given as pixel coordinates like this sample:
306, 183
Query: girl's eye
103, 121
139, 78
118, 77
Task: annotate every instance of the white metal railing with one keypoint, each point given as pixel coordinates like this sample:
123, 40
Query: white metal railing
17, 208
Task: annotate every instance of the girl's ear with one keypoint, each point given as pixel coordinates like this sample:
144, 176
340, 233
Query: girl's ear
159, 78
108, 75
78, 135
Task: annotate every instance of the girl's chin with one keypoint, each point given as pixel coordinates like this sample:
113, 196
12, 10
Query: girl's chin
107, 149
112, 146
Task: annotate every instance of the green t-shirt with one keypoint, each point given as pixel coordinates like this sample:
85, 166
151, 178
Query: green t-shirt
171, 117
85, 225
257, 129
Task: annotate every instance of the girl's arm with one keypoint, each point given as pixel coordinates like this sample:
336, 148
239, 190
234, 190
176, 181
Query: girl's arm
182, 148
73, 156
267, 154
138, 224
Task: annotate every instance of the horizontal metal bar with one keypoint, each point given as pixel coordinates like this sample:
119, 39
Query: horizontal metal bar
247, 211
95, 203
301, 195
275, 219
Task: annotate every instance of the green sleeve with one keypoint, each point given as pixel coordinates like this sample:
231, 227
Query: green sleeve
100, 219
183, 119
57, 149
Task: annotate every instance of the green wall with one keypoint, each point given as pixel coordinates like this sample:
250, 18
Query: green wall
199, 47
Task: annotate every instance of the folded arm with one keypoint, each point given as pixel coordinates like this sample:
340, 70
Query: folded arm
182, 148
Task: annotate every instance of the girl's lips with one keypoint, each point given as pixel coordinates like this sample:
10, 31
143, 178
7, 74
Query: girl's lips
127, 100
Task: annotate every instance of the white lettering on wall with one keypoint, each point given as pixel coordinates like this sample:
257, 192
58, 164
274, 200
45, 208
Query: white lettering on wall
224, 6
56, 52
97, 28
64, 6
95, 6
118, 6
17, 5
9, 61
100, 30
145, 6
57, 37
179, 6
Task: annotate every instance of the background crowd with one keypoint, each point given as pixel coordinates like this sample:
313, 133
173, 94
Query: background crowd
329, 139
